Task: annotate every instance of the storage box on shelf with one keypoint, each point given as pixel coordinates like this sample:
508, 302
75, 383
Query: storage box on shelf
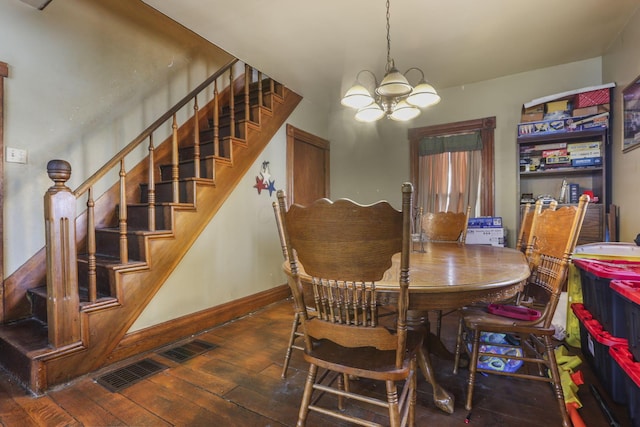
626, 295
630, 371
598, 297
602, 251
595, 343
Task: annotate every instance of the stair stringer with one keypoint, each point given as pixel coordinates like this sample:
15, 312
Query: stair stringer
104, 326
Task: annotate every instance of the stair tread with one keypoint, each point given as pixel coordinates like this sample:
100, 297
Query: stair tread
138, 232
28, 335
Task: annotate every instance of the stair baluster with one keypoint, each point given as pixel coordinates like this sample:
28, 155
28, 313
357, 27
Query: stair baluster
151, 190
260, 100
247, 78
124, 249
232, 101
91, 247
196, 139
175, 170
216, 121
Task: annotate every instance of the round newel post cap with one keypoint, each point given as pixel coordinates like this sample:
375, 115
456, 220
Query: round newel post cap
59, 171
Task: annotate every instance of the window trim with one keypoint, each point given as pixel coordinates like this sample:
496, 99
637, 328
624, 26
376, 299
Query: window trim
486, 126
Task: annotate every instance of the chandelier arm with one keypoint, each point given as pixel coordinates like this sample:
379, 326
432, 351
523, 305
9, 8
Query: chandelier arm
375, 80
417, 69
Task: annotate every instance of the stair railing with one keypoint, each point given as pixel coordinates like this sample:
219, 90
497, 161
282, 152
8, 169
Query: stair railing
62, 288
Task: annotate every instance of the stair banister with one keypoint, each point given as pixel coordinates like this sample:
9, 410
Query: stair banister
82, 188
63, 300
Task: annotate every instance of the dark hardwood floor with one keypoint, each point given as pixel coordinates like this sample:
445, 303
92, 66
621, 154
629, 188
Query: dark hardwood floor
238, 383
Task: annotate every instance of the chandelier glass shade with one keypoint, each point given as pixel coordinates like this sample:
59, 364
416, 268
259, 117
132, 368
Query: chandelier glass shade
394, 97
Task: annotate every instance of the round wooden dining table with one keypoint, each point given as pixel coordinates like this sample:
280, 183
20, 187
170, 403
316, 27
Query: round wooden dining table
446, 276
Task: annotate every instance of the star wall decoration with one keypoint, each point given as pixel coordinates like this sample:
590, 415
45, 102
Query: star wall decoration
263, 181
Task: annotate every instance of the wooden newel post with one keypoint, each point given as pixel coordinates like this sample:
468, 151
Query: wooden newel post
63, 310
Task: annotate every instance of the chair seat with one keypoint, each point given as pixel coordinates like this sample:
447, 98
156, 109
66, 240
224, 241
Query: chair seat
366, 362
475, 317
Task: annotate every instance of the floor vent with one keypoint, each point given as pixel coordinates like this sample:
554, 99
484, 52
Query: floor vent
131, 374
188, 351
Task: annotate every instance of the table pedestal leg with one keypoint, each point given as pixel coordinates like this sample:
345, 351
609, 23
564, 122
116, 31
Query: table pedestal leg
441, 398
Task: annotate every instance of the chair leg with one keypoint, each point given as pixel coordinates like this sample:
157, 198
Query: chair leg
473, 365
456, 360
306, 396
291, 346
555, 376
392, 399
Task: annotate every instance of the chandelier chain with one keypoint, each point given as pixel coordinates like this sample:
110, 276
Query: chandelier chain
388, 37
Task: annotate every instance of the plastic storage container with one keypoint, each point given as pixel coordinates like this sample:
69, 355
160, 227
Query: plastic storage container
630, 371
595, 277
627, 295
595, 343
603, 251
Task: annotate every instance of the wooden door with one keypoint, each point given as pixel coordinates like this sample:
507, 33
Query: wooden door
307, 167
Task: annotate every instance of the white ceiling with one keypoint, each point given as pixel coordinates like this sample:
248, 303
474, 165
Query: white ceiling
317, 47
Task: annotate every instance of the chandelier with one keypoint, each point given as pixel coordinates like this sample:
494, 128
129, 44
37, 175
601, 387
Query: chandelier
394, 96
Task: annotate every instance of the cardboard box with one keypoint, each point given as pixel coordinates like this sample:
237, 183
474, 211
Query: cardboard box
587, 161
486, 236
583, 146
532, 117
485, 222
558, 160
554, 153
584, 154
571, 124
589, 111
533, 114
594, 97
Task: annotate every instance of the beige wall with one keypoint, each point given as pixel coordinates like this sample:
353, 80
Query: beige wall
85, 78
370, 161
622, 65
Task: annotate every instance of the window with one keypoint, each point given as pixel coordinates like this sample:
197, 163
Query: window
452, 166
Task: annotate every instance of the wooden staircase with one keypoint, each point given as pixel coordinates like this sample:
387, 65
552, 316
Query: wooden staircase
59, 325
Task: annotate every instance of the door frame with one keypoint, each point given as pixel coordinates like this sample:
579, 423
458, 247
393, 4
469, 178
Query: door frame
4, 72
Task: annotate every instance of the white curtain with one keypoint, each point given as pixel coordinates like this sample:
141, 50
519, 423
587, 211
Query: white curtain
449, 180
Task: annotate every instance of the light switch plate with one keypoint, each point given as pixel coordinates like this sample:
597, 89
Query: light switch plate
16, 155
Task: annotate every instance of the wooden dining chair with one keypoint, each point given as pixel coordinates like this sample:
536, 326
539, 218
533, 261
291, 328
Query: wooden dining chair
445, 227
345, 248
525, 226
295, 335
554, 234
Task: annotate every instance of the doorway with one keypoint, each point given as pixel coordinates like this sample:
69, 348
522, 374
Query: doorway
307, 167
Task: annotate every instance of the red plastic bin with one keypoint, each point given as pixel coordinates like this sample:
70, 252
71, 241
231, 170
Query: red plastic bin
595, 277
630, 370
595, 343
627, 294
